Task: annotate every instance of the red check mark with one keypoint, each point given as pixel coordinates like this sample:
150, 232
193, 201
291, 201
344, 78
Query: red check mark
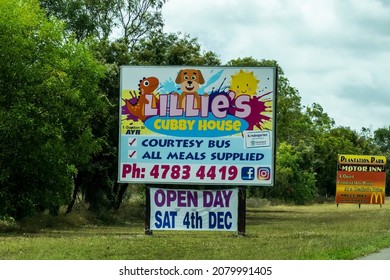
132, 141
132, 154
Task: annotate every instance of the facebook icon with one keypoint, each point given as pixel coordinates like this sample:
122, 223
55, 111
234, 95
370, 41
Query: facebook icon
248, 173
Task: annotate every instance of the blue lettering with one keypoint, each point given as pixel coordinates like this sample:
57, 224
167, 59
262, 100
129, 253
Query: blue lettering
220, 220
168, 221
158, 222
212, 220
228, 225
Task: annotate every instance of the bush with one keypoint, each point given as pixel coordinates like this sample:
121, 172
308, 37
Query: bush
294, 183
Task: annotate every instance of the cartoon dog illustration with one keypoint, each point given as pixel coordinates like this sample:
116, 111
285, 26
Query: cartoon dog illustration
190, 81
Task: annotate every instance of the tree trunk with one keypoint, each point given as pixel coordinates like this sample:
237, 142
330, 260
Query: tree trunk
74, 197
119, 197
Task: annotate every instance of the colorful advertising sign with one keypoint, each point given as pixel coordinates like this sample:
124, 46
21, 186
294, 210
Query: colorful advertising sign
187, 209
198, 125
361, 179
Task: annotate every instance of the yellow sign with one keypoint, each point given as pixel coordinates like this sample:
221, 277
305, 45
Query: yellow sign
361, 179
361, 160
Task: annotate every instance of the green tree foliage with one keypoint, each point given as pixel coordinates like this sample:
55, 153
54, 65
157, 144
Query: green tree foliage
49, 96
382, 140
294, 183
127, 20
172, 49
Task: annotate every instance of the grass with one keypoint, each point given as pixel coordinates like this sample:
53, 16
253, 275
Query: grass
316, 232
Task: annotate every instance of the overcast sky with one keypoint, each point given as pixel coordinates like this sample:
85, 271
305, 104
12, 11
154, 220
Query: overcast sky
334, 52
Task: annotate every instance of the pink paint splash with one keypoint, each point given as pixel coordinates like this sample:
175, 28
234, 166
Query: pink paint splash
256, 118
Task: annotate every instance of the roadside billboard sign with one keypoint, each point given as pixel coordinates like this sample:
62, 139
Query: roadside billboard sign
197, 125
361, 179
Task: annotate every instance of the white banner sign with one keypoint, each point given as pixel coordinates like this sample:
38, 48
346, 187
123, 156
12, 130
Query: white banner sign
185, 209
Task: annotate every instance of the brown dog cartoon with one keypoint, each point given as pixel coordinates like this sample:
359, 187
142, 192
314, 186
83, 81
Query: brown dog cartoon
190, 81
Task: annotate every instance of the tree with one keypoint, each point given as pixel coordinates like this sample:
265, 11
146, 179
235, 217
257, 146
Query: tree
172, 49
124, 20
294, 183
328, 143
49, 98
382, 141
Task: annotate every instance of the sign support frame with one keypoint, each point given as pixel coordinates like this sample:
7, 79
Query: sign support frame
148, 231
241, 211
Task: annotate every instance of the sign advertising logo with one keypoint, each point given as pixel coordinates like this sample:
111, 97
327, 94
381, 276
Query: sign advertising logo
377, 198
247, 173
198, 125
263, 173
361, 179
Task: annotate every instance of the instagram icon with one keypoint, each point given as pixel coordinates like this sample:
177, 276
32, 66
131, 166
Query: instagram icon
263, 173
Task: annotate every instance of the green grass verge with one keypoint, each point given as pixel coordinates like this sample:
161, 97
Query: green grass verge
317, 232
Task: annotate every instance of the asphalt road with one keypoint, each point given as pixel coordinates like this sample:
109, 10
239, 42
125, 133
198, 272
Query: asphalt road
383, 254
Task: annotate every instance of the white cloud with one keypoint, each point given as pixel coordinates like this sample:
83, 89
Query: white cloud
336, 53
